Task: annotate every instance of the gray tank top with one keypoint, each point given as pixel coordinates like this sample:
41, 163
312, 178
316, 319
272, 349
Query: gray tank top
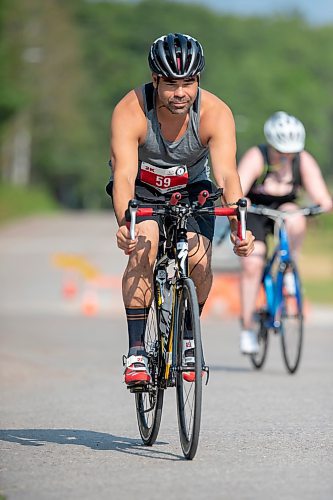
188, 150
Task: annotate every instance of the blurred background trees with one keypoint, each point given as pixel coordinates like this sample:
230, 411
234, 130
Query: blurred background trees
65, 64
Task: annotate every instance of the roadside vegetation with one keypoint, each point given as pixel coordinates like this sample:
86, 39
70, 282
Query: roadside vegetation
64, 65
316, 262
19, 201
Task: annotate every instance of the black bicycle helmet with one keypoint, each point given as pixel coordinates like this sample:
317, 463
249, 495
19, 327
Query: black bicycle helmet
176, 56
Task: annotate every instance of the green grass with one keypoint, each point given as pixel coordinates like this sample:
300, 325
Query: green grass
319, 291
316, 260
319, 238
317, 255
17, 201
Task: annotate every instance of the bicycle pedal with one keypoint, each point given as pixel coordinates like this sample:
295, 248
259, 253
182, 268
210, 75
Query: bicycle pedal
206, 369
139, 388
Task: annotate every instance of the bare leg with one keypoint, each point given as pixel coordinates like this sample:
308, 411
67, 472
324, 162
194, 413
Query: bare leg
138, 276
200, 254
296, 227
137, 296
251, 273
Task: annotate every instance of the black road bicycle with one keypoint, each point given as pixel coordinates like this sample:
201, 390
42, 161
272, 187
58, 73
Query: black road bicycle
173, 314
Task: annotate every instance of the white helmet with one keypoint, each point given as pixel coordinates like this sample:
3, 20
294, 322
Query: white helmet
285, 133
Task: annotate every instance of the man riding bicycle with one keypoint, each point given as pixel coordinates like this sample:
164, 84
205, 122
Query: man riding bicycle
161, 135
272, 175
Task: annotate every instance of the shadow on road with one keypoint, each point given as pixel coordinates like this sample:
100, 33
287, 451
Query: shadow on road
91, 439
224, 368
271, 372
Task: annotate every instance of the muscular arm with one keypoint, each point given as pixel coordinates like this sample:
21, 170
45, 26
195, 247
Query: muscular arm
127, 127
313, 181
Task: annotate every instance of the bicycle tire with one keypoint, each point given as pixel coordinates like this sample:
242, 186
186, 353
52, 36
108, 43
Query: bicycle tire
189, 394
149, 403
258, 359
291, 329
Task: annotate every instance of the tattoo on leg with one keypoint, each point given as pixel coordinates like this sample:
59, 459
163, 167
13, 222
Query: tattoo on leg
203, 255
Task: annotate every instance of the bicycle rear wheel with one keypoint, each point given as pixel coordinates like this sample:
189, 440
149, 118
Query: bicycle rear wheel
189, 394
262, 335
291, 320
149, 401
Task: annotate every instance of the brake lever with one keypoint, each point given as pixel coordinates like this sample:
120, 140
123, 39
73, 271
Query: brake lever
242, 208
133, 208
175, 198
315, 210
203, 197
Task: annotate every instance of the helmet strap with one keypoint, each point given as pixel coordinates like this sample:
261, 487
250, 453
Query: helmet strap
156, 81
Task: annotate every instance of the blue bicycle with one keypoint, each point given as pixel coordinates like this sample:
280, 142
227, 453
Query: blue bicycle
282, 312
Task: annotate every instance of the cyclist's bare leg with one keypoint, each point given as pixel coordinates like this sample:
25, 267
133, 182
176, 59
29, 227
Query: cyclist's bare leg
296, 227
251, 273
200, 254
137, 296
138, 277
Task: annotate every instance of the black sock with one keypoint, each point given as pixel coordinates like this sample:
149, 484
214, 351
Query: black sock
188, 325
136, 323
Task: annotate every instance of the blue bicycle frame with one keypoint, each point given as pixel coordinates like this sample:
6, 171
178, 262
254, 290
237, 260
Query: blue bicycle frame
273, 285
283, 311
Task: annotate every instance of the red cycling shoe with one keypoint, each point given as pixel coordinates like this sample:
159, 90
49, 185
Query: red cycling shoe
136, 371
188, 360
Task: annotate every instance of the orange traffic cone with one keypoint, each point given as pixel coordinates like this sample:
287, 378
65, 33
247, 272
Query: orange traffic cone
69, 287
89, 305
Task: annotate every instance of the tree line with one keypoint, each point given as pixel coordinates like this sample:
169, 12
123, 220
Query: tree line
65, 64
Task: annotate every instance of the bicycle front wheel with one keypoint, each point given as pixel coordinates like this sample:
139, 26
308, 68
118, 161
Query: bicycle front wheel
149, 401
291, 319
189, 391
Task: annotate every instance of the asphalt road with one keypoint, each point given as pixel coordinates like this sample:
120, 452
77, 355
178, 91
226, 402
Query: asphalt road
68, 425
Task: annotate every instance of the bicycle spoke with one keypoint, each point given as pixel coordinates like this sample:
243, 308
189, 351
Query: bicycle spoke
292, 324
190, 419
189, 393
149, 404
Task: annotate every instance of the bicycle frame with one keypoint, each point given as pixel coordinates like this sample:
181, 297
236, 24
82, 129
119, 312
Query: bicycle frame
177, 240
175, 248
283, 312
281, 258
273, 282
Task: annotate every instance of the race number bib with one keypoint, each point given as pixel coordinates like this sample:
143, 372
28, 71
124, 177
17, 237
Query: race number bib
164, 179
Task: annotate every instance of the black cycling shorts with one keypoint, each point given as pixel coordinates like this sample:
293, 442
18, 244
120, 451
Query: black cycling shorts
200, 224
260, 226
